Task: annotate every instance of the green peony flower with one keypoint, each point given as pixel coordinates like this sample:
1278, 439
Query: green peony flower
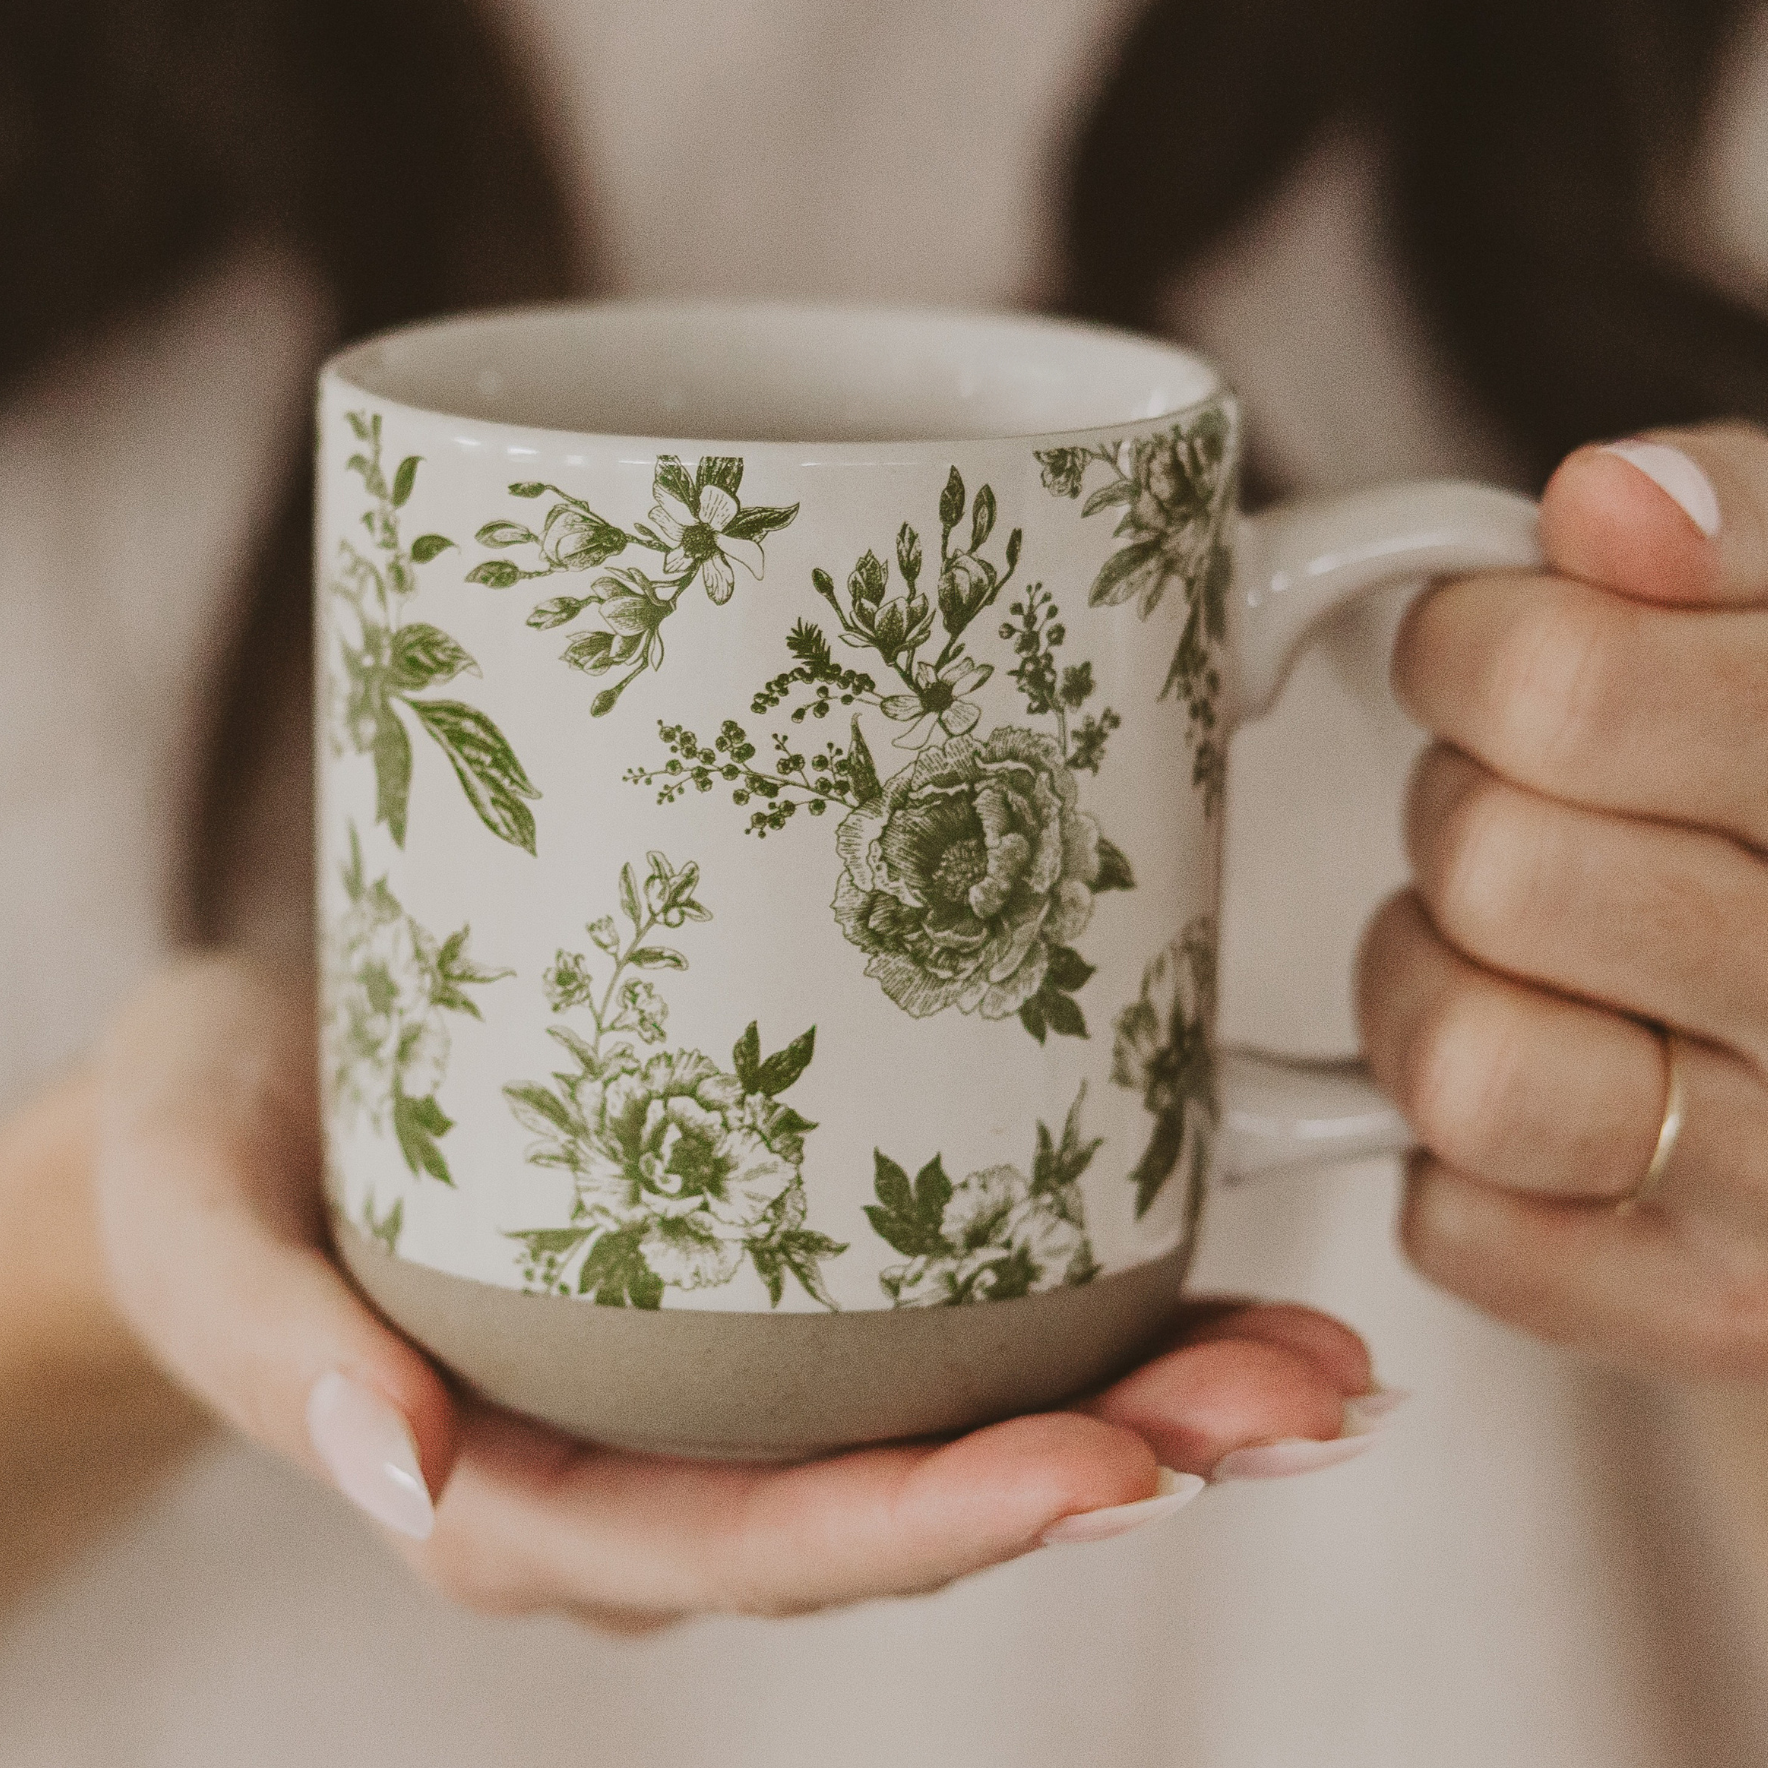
966, 870
1177, 481
1163, 1051
386, 1031
674, 1148
1005, 1240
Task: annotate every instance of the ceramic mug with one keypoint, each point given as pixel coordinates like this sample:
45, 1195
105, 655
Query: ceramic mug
771, 764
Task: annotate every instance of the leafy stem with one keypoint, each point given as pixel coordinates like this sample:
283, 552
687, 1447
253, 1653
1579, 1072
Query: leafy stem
397, 659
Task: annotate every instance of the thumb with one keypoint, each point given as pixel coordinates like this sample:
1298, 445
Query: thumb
1676, 516
213, 1225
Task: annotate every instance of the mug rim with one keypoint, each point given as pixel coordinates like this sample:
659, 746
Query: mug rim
353, 367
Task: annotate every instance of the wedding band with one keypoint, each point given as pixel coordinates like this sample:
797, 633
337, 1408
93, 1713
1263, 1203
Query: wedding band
1668, 1131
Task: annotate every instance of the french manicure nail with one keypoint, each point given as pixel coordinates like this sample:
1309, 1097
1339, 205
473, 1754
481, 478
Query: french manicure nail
1367, 1412
1675, 472
1292, 1455
368, 1449
1173, 1491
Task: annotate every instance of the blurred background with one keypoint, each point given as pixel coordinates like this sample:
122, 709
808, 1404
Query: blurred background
1423, 239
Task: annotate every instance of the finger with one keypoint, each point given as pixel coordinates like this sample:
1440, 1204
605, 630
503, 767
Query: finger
1199, 1403
1338, 1353
1536, 1092
1588, 696
1634, 1288
209, 1190
1660, 922
532, 1521
1672, 516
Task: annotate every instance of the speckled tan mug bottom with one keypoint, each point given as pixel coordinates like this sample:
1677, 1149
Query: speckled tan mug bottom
769, 1386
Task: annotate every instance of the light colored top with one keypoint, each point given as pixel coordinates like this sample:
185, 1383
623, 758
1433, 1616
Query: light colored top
1541, 1567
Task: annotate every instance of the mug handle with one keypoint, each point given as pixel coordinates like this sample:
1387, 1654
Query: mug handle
1298, 564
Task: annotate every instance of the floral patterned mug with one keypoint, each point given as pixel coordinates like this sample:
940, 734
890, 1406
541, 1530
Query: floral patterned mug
771, 769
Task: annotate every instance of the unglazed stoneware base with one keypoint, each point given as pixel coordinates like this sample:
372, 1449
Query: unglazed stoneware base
769, 1386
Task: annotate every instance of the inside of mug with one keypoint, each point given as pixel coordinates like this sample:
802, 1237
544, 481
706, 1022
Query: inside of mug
778, 373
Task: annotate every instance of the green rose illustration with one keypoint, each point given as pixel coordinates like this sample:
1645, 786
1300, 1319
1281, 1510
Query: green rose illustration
1163, 1052
676, 1149
388, 985
968, 874
996, 1236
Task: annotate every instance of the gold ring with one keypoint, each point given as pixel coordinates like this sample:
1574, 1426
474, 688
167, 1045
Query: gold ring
1669, 1130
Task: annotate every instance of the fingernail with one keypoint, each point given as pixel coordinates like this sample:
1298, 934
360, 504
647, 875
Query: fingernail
1172, 1492
1367, 1412
1679, 475
368, 1449
1292, 1455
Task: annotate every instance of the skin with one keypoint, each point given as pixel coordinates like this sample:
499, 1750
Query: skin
1586, 835
209, 1184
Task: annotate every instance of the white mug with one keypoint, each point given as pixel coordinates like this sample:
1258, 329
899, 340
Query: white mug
771, 769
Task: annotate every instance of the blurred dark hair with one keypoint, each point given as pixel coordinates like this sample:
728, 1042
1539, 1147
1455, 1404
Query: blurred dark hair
393, 143
1529, 144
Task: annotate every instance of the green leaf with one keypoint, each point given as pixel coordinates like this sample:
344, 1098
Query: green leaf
424, 654
783, 1067
657, 957
1158, 1159
862, 771
1114, 869
428, 546
982, 518
490, 775
496, 574
417, 1123
891, 1183
392, 773
356, 422
1031, 1016
404, 479
1114, 583
528, 488
616, 1274
505, 533
803, 1249
557, 612
1068, 969
353, 870
554, 1240
388, 1228
768, 1261
752, 523
539, 1108
1014, 541
629, 897
1064, 1014
671, 476
1117, 491
951, 502
933, 1191
746, 1057
723, 470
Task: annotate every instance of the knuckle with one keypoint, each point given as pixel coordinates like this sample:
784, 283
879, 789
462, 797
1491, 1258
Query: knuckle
1453, 1076
1483, 872
1554, 684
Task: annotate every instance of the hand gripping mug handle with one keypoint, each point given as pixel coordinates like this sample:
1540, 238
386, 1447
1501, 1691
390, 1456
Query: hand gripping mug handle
1298, 564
